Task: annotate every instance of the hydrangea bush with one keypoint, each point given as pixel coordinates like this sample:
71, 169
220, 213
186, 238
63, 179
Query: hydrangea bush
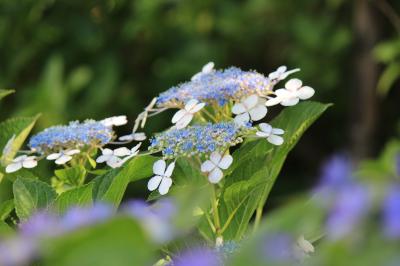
208, 176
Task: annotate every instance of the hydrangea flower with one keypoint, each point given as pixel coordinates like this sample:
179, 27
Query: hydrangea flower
22, 161
114, 159
115, 121
252, 108
183, 117
207, 68
139, 136
293, 92
391, 213
200, 256
270, 133
217, 86
62, 157
215, 164
162, 179
281, 73
72, 136
198, 139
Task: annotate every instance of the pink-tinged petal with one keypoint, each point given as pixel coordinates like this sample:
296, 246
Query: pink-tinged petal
277, 131
215, 157
266, 128
159, 167
191, 104
63, 159
197, 108
72, 152
276, 140
238, 108
154, 182
258, 112
242, 119
185, 120
305, 92
207, 166
225, 162
293, 85
170, 169
13, 167
29, 163
215, 175
53, 156
123, 151
178, 116
166, 183
290, 101
251, 101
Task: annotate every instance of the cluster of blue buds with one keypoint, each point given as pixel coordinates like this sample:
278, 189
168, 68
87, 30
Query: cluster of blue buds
198, 139
74, 135
217, 86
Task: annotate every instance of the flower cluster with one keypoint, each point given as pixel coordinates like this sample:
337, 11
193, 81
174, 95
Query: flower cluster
198, 139
74, 135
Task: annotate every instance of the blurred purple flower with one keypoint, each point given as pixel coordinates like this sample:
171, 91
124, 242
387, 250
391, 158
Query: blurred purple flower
350, 206
81, 216
391, 213
278, 247
41, 224
336, 172
200, 256
17, 252
398, 164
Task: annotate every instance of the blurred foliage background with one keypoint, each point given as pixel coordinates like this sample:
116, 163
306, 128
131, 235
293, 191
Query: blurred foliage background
72, 59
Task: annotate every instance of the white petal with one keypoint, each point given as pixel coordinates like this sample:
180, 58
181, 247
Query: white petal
126, 137
20, 158
13, 167
103, 158
190, 104
170, 169
225, 162
215, 175
197, 108
53, 156
196, 76
29, 163
286, 74
262, 134
215, 157
290, 101
207, 68
135, 149
293, 84
251, 101
277, 131
159, 167
63, 159
114, 162
72, 152
166, 183
242, 119
281, 69
140, 136
305, 92
154, 182
123, 151
185, 120
283, 93
120, 120
238, 108
273, 101
207, 166
178, 116
266, 128
258, 112
276, 140
107, 152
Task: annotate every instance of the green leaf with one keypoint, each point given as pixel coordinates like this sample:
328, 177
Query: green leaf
19, 128
111, 186
31, 195
5, 229
81, 196
117, 242
6, 208
390, 74
257, 165
74, 176
4, 93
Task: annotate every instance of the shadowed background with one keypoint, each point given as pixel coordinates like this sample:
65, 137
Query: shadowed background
75, 59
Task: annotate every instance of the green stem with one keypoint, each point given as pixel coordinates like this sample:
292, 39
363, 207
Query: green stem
217, 222
259, 212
